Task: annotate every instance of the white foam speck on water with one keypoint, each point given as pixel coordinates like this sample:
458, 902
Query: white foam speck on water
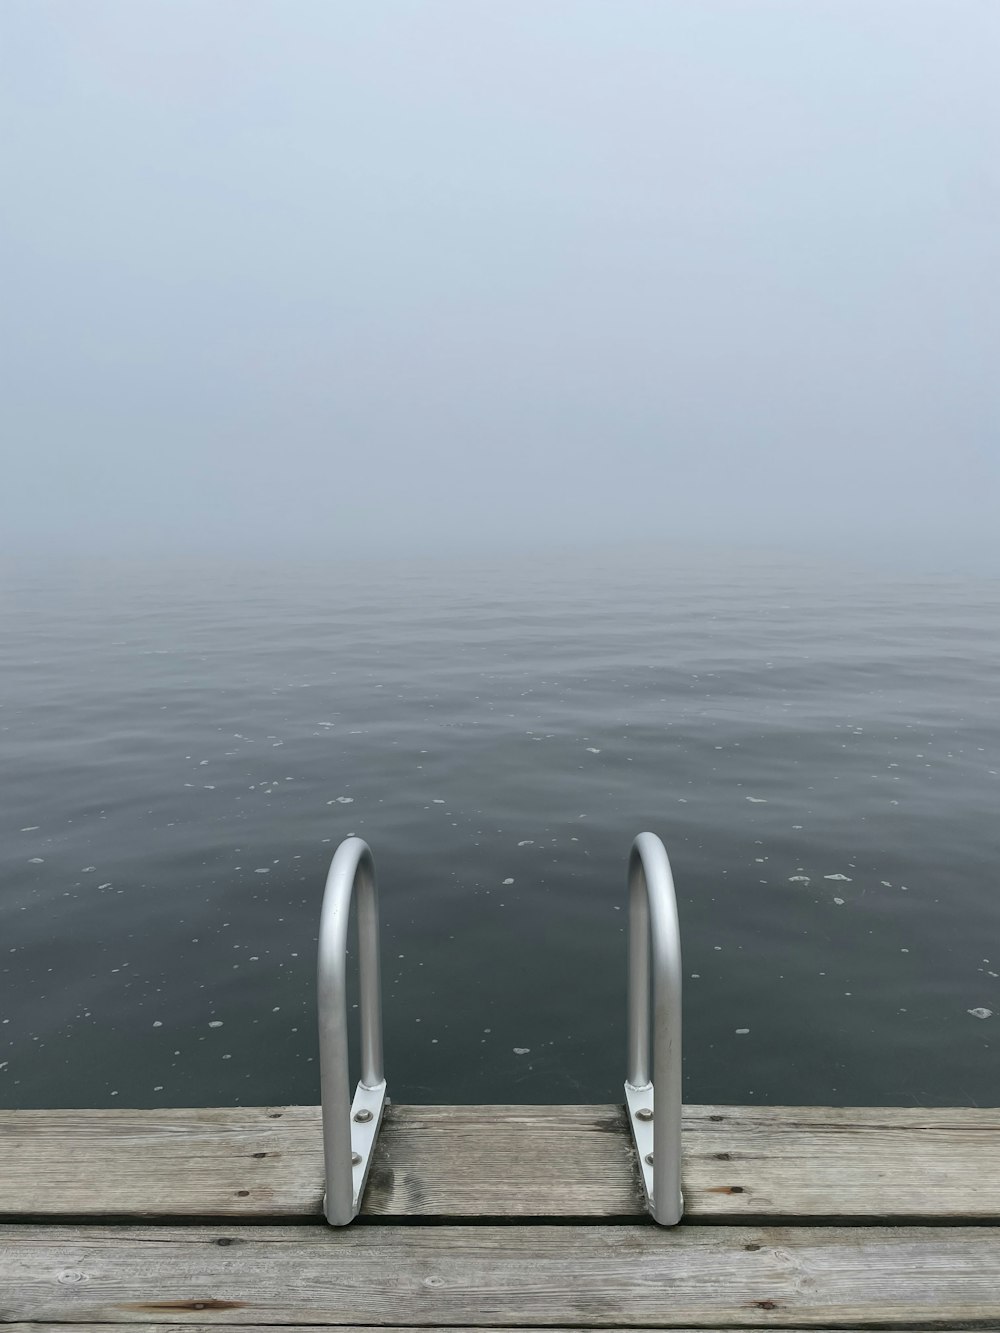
742, 1032
87, 869
798, 879
508, 881
885, 884
757, 800
105, 886
845, 879
839, 901
262, 870
36, 861
215, 1023
437, 801
32, 828
528, 842
591, 750
980, 1012
522, 1050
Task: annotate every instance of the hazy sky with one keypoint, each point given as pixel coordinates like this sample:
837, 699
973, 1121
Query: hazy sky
369, 274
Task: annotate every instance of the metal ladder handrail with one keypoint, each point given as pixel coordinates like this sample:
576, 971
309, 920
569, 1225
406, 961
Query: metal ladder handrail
654, 937
350, 1126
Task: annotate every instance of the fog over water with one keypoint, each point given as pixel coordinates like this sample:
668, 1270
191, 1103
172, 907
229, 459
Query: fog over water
493, 429
430, 275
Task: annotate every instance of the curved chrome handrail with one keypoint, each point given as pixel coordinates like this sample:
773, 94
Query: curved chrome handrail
654, 935
349, 1128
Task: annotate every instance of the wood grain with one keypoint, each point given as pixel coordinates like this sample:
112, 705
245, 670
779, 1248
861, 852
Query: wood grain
506, 1161
740, 1163
499, 1276
376, 1328
837, 1162
254, 1161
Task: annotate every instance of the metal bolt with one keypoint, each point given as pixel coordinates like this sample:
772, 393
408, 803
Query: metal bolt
356, 1158
649, 1158
362, 1117
644, 1113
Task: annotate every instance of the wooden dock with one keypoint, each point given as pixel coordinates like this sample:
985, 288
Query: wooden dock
501, 1217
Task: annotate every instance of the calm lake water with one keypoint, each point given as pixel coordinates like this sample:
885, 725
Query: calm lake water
183, 749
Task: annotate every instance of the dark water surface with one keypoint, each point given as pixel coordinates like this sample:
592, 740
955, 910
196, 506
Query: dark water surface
183, 749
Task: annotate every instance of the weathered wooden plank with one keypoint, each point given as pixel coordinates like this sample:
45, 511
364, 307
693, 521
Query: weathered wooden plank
268, 1162
842, 1162
529, 1161
254, 1161
508, 1161
366, 1328
592, 1276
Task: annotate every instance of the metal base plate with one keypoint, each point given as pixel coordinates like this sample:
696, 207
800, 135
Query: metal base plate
366, 1118
641, 1099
